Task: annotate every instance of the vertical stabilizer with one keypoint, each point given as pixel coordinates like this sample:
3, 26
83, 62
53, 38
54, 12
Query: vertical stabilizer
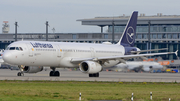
128, 37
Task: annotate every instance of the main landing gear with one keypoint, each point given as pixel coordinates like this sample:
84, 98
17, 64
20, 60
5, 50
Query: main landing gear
94, 75
54, 73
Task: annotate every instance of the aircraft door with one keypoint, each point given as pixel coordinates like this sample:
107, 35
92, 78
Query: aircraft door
30, 49
59, 51
92, 52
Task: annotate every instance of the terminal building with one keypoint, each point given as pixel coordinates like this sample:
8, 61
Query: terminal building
164, 32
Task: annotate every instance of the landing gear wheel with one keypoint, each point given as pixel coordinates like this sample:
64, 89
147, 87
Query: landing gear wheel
94, 75
19, 74
56, 73
51, 73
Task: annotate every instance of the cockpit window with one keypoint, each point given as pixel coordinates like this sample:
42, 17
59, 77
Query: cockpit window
12, 48
17, 48
7, 48
20, 48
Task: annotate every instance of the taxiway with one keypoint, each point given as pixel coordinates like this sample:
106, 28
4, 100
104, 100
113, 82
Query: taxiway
6, 74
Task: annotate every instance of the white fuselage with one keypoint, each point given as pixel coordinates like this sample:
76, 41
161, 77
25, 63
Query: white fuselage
58, 54
146, 66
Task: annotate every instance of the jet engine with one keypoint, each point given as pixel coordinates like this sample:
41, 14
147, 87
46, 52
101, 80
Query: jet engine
32, 69
147, 69
90, 67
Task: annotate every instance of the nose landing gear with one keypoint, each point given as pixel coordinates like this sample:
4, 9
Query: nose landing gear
21, 73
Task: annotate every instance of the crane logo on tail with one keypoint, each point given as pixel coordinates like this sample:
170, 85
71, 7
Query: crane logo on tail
130, 35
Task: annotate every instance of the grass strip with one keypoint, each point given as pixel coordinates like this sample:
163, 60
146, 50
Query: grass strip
69, 91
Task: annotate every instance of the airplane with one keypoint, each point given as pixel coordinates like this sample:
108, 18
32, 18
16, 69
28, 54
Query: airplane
90, 58
1, 60
138, 66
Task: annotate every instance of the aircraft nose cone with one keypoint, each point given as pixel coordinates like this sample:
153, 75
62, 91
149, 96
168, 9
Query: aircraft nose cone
7, 57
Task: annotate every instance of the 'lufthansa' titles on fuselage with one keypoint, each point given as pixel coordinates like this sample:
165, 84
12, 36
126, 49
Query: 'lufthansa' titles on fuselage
41, 45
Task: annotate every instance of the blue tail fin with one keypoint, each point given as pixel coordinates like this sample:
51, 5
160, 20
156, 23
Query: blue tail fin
128, 37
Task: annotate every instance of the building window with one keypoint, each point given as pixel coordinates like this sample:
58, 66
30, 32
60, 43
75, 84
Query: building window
83, 36
164, 29
159, 36
164, 36
74, 36
145, 28
105, 36
142, 29
169, 36
154, 36
139, 36
144, 36
96, 35
175, 36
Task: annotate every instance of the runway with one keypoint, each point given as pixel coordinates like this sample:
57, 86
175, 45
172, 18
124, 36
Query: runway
6, 74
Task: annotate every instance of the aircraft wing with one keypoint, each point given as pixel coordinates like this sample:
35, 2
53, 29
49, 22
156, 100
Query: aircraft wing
121, 58
148, 50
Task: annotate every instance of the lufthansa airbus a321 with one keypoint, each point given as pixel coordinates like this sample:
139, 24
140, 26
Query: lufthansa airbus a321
32, 56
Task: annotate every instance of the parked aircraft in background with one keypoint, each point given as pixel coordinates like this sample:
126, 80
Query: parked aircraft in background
91, 58
1, 60
137, 66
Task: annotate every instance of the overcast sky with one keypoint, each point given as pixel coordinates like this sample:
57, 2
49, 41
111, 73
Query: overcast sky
31, 15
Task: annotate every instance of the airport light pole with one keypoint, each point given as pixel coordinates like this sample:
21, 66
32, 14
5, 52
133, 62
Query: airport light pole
149, 38
47, 30
113, 31
16, 31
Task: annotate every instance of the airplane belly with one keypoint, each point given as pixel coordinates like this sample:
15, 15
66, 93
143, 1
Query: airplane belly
65, 63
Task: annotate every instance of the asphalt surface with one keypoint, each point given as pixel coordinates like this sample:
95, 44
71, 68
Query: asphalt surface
6, 74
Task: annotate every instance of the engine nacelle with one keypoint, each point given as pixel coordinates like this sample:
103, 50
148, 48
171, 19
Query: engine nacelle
90, 67
32, 69
147, 69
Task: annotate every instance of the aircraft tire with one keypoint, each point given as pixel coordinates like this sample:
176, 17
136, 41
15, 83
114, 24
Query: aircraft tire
19, 74
97, 74
51, 73
56, 73
94, 75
